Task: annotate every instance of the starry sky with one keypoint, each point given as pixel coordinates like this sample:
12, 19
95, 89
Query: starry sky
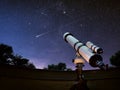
35, 28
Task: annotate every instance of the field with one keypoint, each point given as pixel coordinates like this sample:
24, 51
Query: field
22, 79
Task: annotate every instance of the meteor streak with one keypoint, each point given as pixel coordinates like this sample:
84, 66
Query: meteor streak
42, 34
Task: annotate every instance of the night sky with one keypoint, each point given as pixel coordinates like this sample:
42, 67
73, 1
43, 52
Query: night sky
35, 28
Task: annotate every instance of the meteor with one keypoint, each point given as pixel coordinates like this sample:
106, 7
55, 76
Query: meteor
42, 34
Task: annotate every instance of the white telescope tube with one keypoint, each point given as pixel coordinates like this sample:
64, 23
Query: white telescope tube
93, 59
93, 47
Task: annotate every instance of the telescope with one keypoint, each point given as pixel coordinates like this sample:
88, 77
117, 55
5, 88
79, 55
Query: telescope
90, 52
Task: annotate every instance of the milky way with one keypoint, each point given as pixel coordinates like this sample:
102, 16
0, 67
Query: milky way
35, 28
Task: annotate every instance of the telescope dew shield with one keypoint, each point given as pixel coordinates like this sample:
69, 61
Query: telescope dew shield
93, 47
93, 59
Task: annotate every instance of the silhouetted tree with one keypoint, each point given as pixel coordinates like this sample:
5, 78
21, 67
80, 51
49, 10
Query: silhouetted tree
53, 67
19, 61
31, 66
8, 58
59, 67
115, 59
6, 52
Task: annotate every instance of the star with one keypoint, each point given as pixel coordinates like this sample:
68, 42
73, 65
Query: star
29, 23
81, 25
42, 13
64, 12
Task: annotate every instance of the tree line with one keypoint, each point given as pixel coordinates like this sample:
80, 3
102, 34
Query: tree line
7, 57
58, 67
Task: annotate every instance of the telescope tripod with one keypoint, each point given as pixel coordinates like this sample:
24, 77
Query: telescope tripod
81, 83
